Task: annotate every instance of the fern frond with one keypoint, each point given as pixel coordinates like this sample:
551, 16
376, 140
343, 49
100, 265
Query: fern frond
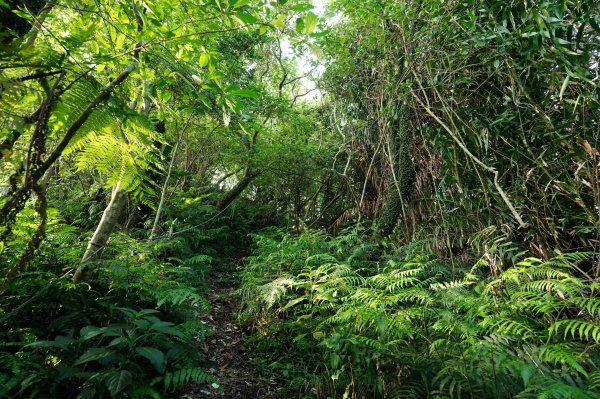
556, 389
595, 379
341, 317
367, 295
370, 343
399, 326
272, 292
577, 256
565, 353
451, 285
179, 378
409, 295
508, 327
539, 302
591, 305
580, 329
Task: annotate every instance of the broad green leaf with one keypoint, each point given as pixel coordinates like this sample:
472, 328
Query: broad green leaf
244, 93
94, 46
117, 341
119, 42
117, 381
321, 33
165, 96
88, 332
145, 312
93, 354
41, 344
300, 25
88, 393
310, 22
216, 76
302, 7
279, 22
246, 18
22, 14
167, 328
63, 341
240, 3
155, 356
293, 302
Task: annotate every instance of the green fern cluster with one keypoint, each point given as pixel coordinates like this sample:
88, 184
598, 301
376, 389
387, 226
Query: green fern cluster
402, 326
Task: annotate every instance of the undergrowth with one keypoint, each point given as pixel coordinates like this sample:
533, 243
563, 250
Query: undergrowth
132, 332
381, 321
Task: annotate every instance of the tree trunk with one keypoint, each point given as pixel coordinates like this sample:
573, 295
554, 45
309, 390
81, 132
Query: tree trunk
163, 192
235, 192
35, 241
107, 224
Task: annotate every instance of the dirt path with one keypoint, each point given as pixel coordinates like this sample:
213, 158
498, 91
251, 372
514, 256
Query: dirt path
227, 358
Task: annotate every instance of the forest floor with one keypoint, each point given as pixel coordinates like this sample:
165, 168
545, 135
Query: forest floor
227, 357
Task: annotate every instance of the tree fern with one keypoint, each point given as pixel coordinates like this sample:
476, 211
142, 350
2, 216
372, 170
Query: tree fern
590, 304
272, 292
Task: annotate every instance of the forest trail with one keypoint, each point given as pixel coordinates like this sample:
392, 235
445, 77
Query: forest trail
226, 355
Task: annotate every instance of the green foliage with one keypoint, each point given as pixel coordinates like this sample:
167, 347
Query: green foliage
93, 347
116, 142
182, 377
104, 361
464, 132
379, 325
127, 335
499, 100
130, 332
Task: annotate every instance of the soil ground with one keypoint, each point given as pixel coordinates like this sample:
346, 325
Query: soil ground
226, 356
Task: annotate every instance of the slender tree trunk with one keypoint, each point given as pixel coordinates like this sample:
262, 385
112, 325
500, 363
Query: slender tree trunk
110, 218
118, 199
35, 241
164, 190
167, 178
